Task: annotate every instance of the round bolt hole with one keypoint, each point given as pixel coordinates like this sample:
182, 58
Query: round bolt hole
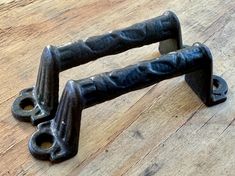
45, 141
27, 104
215, 84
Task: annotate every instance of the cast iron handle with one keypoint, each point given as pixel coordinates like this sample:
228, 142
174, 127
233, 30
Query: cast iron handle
43, 98
63, 131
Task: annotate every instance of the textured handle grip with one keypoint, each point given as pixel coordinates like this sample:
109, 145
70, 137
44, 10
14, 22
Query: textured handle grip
150, 31
109, 85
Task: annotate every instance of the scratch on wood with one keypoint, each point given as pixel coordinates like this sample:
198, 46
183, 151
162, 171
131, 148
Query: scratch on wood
228, 125
206, 122
8, 99
191, 116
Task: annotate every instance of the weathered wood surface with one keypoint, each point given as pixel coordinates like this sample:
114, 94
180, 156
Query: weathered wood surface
161, 130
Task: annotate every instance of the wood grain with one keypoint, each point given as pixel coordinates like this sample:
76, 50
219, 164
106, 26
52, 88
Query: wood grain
160, 130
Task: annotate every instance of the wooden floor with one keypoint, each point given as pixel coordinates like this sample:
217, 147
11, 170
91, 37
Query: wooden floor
161, 130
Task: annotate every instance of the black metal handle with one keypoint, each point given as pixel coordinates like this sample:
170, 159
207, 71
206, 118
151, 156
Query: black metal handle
43, 98
63, 130
154, 30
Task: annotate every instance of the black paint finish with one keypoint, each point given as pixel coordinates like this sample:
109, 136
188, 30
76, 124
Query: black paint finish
63, 131
43, 98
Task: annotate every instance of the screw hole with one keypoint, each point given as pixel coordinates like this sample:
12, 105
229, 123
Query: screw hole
27, 104
45, 141
215, 84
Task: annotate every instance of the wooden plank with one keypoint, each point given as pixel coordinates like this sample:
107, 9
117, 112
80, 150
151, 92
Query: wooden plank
163, 129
